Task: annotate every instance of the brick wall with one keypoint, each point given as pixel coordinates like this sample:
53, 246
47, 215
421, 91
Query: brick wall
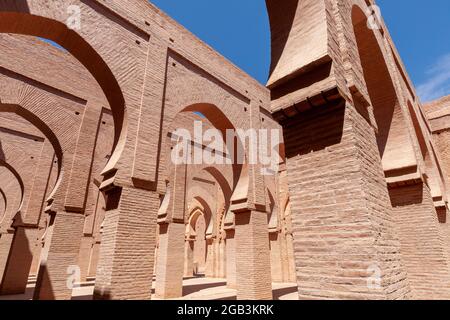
422, 244
342, 222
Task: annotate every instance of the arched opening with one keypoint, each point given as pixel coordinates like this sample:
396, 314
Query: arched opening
46, 131
25, 18
197, 237
212, 117
208, 214
213, 185
25, 23
223, 183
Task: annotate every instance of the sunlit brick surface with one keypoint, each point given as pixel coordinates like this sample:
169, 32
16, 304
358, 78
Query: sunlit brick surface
93, 205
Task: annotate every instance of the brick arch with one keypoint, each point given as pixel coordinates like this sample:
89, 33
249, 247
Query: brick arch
46, 20
393, 138
194, 215
220, 121
193, 234
202, 196
222, 179
238, 185
22, 164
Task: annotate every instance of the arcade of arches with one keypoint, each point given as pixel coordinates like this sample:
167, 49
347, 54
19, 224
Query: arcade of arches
91, 201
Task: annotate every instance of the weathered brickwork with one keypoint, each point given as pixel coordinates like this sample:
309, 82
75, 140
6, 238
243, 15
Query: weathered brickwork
418, 227
90, 194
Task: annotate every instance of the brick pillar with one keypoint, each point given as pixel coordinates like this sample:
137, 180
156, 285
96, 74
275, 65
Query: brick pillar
253, 276
223, 259
210, 258
231, 259
6, 240
216, 245
20, 258
58, 272
189, 258
93, 261
84, 257
276, 257
423, 247
125, 268
290, 257
39, 187
170, 268
200, 248
37, 253
343, 224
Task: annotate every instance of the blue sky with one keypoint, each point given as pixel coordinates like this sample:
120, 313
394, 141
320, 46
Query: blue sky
239, 30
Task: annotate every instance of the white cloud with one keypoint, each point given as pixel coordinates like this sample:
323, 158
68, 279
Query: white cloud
438, 82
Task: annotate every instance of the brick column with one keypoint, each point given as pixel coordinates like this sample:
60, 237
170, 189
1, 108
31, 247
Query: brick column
423, 247
38, 190
58, 272
223, 259
231, 259
343, 224
37, 252
93, 261
84, 256
216, 273
210, 258
189, 258
252, 256
200, 249
20, 258
170, 267
290, 261
125, 268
